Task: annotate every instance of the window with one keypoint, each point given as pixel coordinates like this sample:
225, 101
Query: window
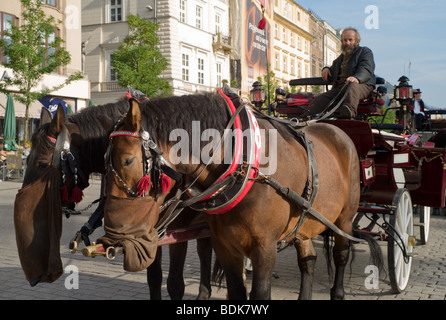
6, 20
219, 74
200, 71
48, 48
185, 67
183, 11
50, 2
299, 46
284, 34
115, 10
276, 61
111, 74
292, 39
299, 70
198, 17
285, 64
217, 23
292, 69
276, 31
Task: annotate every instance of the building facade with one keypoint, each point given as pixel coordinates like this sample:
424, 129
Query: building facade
77, 93
194, 38
292, 41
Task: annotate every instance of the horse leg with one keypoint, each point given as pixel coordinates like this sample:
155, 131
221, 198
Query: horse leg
306, 259
155, 276
175, 280
232, 265
263, 261
204, 250
341, 253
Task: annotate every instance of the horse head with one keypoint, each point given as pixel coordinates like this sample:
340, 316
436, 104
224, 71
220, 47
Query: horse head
64, 152
135, 181
38, 204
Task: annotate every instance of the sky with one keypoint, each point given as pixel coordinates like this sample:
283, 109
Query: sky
407, 37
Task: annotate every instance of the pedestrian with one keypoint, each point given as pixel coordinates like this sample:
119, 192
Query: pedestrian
2, 161
419, 107
355, 65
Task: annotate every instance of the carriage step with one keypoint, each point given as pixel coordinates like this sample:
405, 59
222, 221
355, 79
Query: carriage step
418, 224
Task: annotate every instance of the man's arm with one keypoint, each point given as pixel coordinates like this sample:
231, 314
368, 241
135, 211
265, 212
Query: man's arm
326, 73
366, 66
433, 107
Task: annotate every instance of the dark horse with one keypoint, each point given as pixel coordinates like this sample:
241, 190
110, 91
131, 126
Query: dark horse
264, 217
38, 204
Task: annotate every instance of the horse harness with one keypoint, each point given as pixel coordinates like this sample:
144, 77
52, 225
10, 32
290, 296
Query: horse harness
65, 160
230, 188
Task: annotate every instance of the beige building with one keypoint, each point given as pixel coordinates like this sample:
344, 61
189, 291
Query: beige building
77, 93
194, 38
291, 58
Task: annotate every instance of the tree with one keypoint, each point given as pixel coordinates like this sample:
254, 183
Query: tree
32, 50
138, 61
270, 82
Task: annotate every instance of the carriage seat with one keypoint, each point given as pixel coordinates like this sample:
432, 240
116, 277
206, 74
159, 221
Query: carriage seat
372, 105
295, 103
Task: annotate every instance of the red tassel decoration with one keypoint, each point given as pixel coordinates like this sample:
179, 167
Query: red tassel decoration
165, 183
64, 194
143, 185
262, 24
77, 195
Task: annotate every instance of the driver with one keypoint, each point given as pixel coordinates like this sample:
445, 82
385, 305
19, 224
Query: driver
355, 65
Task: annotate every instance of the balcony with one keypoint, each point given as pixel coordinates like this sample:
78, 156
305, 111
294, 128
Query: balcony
106, 87
221, 42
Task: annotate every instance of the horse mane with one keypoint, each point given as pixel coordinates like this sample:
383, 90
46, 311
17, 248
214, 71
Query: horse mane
163, 115
95, 121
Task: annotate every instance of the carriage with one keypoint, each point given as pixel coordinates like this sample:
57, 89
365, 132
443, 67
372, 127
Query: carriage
400, 174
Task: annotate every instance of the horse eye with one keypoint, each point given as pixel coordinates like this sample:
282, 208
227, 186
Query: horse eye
42, 165
129, 161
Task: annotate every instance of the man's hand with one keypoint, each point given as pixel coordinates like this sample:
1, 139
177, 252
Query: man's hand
325, 74
352, 79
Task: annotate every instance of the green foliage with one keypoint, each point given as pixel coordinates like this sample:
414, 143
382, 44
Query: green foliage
33, 51
273, 84
138, 61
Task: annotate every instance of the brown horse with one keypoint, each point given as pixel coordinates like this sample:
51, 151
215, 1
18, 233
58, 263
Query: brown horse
38, 205
264, 217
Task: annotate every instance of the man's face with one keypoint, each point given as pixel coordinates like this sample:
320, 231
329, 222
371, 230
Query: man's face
348, 40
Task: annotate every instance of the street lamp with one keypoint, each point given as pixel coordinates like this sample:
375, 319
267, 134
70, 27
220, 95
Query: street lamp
404, 94
257, 94
404, 91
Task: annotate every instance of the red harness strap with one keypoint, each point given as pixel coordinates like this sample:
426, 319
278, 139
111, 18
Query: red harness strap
237, 154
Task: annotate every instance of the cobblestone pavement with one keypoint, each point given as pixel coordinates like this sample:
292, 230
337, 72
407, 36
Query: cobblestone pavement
106, 280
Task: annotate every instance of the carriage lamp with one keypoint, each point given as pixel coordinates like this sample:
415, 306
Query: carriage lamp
404, 91
257, 94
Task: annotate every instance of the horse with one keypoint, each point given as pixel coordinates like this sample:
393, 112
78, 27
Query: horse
265, 215
82, 137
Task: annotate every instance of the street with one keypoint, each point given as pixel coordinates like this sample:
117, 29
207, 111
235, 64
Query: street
100, 279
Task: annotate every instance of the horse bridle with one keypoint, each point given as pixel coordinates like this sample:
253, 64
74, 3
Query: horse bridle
65, 160
155, 165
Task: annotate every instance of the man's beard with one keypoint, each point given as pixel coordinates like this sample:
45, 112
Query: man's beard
347, 50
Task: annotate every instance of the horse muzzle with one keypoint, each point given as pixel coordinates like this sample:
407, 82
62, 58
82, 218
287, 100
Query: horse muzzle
129, 225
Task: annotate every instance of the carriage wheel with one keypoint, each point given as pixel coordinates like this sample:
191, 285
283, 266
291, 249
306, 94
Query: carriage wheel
425, 217
400, 241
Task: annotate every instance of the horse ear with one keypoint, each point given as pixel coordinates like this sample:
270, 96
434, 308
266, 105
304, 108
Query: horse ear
133, 118
58, 122
45, 116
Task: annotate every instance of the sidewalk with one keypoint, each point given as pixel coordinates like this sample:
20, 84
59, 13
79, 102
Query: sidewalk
101, 279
